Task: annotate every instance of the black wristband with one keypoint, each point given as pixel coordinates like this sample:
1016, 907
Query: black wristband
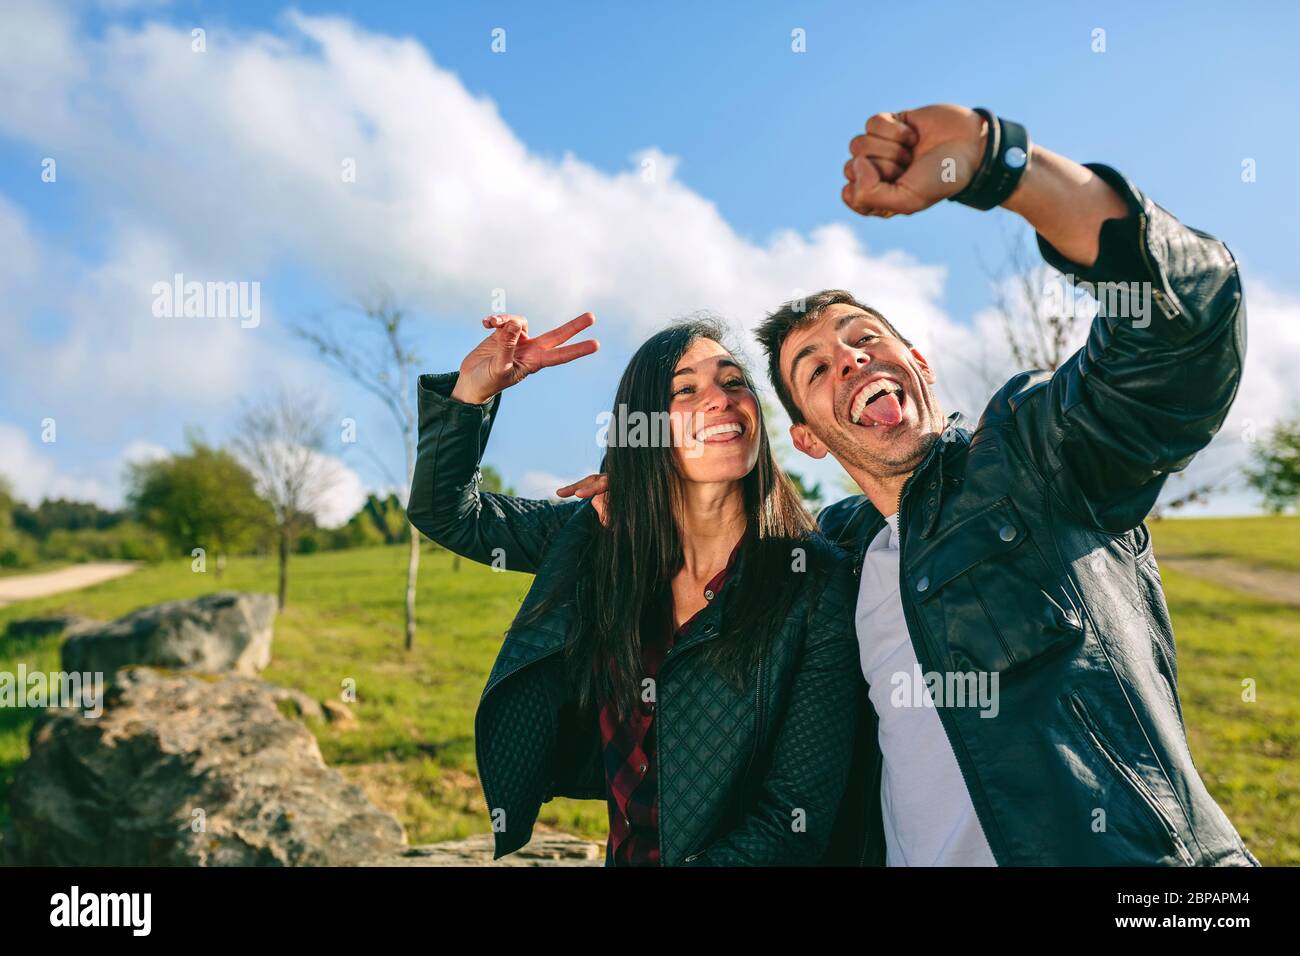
1006, 157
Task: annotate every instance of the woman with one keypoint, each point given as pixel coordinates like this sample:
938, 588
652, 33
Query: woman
689, 658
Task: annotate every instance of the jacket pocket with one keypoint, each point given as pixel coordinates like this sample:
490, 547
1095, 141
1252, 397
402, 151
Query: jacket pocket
996, 603
1128, 778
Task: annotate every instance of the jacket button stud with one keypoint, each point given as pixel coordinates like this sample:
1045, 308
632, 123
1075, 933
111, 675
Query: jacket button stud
1008, 533
641, 769
923, 584
708, 595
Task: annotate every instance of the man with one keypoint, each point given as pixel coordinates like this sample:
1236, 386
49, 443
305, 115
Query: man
1012, 626
1007, 568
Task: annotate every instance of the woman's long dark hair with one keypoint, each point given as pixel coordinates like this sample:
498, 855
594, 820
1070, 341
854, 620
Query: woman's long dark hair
625, 577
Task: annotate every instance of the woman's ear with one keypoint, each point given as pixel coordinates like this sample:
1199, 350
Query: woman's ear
807, 442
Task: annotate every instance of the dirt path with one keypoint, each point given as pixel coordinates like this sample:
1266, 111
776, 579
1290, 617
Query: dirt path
1272, 584
25, 587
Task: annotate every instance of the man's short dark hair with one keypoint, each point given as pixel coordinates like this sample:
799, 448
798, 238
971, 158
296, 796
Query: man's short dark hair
795, 314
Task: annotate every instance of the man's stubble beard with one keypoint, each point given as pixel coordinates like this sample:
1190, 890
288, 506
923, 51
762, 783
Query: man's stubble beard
852, 454
908, 453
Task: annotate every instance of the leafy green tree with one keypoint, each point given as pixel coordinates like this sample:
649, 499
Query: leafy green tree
60, 514
389, 517
125, 541
493, 482
362, 528
811, 494
7, 505
16, 547
1276, 471
203, 498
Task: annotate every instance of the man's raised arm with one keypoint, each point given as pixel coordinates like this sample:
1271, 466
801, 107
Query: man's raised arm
1163, 359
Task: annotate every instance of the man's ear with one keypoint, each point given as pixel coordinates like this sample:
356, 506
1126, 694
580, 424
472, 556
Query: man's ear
807, 442
927, 373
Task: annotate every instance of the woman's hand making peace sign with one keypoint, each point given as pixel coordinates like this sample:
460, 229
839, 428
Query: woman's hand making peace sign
508, 355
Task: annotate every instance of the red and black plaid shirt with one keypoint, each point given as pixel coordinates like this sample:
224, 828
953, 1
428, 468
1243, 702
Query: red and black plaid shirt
629, 746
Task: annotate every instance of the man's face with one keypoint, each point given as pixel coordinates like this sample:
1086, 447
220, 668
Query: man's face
865, 396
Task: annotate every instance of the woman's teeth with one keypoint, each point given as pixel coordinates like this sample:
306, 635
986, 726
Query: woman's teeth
879, 387
728, 428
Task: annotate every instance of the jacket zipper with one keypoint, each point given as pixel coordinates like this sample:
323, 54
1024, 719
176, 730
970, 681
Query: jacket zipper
758, 714
875, 777
659, 833
964, 763
1162, 301
659, 776
758, 729
1129, 776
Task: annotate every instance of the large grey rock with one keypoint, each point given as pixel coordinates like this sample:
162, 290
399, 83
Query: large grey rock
31, 628
183, 770
225, 631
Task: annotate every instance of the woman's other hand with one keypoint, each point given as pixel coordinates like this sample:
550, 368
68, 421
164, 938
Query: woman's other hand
593, 487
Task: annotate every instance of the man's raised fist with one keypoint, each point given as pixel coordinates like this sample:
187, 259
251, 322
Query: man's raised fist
908, 161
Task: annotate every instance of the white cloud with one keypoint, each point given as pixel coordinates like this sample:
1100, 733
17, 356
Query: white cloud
228, 166
541, 484
230, 159
343, 499
142, 452
1269, 387
34, 473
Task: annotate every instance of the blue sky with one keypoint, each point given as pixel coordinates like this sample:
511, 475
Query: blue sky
521, 171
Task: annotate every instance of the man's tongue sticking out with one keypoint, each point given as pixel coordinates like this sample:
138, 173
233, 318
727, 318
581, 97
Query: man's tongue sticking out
884, 410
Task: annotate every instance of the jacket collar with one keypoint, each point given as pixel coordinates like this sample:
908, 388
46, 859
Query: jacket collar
708, 623
939, 473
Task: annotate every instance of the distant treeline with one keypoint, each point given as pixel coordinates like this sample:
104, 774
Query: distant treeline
202, 498
61, 530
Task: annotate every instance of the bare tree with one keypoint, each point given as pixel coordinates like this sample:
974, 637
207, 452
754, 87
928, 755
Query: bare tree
1194, 494
372, 351
1043, 330
282, 442
1039, 333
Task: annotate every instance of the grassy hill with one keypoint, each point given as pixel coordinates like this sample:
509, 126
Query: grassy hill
413, 749
1261, 542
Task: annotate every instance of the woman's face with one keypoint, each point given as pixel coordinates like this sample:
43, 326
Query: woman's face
714, 415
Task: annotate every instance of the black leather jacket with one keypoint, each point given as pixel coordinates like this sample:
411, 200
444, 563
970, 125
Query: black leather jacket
752, 777
1024, 554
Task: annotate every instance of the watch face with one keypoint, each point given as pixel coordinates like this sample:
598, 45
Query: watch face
1014, 157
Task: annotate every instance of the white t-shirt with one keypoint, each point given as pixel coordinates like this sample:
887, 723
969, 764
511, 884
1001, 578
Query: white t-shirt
928, 814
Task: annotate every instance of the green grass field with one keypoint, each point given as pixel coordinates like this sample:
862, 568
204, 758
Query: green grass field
413, 749
1265, 542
